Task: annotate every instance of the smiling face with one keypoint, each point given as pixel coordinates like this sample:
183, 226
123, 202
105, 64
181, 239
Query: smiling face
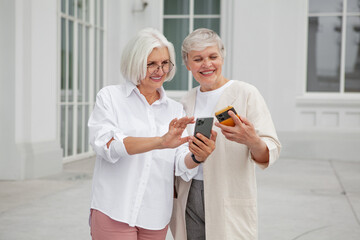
206, 67
151, 82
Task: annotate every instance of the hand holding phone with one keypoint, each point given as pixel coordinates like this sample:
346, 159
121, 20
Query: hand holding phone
224, 118
200, 152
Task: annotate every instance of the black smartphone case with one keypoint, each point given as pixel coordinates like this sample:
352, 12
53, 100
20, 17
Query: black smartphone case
204, 126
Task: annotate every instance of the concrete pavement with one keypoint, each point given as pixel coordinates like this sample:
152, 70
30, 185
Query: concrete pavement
297, 200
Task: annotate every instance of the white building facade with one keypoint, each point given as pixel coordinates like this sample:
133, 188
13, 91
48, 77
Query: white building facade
302, 55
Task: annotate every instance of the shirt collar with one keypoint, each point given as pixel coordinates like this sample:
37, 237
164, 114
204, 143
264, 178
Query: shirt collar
130, 87
163, 98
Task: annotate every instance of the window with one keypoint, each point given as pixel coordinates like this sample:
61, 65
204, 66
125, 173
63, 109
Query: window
180, 18
333, 61
81, 71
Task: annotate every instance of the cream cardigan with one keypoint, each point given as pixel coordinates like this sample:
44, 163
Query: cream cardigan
230, 190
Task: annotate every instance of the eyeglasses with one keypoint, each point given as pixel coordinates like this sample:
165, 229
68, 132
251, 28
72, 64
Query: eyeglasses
165, 67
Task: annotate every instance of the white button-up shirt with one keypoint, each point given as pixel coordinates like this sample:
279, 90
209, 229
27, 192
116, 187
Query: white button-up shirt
135, 189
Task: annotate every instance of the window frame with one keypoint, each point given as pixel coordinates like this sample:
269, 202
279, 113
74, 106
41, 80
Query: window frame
94, 82
316, 95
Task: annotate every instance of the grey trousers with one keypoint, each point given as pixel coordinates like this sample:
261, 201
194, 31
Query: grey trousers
195, 212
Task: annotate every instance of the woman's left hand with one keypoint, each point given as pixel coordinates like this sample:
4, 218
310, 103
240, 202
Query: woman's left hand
243, 132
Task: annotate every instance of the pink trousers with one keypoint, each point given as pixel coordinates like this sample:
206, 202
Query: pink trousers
105, 228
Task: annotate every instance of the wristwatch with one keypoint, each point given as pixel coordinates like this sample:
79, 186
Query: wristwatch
194, 159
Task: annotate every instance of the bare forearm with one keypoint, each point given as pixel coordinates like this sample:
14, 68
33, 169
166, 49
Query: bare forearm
259, 151
136, 145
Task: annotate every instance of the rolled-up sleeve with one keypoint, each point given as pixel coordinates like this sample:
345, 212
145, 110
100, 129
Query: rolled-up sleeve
102, 128
259, 114
274, 147
180, 167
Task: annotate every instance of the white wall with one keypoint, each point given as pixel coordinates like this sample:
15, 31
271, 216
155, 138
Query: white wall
8, 157
123, 24
268, 53
31, 98
287, 65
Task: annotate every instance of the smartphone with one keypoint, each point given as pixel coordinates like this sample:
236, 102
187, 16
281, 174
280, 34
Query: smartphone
204, 126
223, 116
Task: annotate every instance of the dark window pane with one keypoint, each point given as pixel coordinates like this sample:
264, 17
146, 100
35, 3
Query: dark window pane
176, 7
321, 6
352, 60
70, 130
71, 7
80, 5
353, 6
324, 46
63, 6
62, 129
80, 63
96, 12
175, 31
87, 65
87, 108
63, 58
207, 7
101, 67
71, 59
102, 13
80, 124
211, 23
87, 10
96, 87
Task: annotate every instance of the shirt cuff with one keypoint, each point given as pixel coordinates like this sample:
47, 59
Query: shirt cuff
273, 154
117, 147
186, 173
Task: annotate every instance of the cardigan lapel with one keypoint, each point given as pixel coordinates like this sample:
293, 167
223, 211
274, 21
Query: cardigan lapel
228, 97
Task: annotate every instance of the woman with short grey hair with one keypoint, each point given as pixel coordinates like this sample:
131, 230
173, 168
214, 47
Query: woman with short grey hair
138, 135
199, 40
219, 202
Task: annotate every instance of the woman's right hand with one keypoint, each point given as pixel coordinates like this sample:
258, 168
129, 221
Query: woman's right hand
172, 138
201, 146
201, 149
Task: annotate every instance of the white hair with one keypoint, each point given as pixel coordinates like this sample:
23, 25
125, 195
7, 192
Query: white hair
136, 52
200, 39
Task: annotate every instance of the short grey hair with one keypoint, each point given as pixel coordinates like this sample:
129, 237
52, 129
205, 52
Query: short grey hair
200, 39
136, 52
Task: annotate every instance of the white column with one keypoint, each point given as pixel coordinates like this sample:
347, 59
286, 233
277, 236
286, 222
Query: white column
32, 145
9, 161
